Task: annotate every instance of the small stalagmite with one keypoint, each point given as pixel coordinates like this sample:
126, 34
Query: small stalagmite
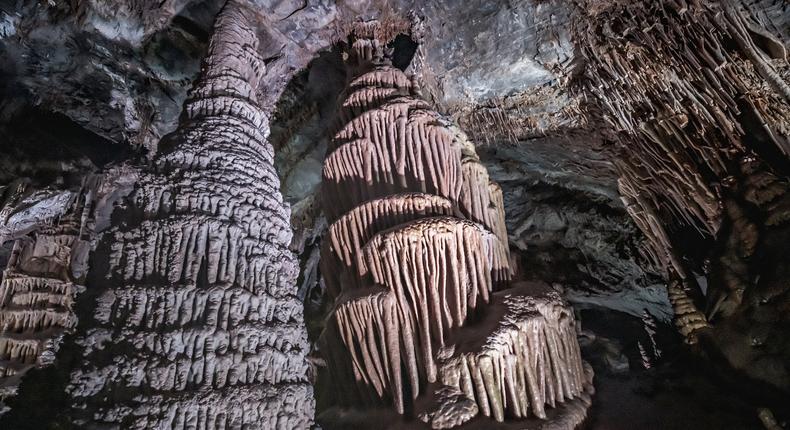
416, 250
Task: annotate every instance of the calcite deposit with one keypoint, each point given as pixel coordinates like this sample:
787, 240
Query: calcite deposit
445, 161
198, 325
417, 248
45, 271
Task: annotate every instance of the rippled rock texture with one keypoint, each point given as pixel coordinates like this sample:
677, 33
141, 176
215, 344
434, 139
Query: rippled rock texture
197, 324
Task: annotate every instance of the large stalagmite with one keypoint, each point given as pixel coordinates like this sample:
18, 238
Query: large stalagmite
414, 255
198, 326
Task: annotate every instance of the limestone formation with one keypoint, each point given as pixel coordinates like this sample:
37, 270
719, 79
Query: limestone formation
529, 359
37, 295
688, 319
417, 247
197, 324
343, 246
679, 138
699, 98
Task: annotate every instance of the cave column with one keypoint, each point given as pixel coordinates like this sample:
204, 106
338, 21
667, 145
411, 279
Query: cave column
196, 322
414, 258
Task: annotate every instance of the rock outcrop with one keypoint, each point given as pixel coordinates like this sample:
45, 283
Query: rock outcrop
44, 273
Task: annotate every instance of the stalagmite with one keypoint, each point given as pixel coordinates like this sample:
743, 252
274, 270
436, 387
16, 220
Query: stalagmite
529, 358
198, 325
416, 249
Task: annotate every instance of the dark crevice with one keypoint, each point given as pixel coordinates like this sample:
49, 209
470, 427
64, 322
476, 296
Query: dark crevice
404, 49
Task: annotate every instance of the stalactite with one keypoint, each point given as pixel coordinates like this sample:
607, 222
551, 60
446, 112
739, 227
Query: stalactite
647, 362
40, 284
529, 359
649, 324
417, 244
341, 252
198, 325
416, 155
688, 319
481, 201
438, 269
378, 347
686, 87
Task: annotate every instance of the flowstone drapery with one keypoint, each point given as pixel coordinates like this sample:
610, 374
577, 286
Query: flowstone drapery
415, 252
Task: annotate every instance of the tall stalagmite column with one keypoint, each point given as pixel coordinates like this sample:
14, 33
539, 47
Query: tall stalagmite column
414, 254
198, 325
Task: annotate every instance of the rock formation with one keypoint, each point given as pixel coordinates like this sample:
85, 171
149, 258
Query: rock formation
195, 322
638, 150
701, 101
415, 251
45, 271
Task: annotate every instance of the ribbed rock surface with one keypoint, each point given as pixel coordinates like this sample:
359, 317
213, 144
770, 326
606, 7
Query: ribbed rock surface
415, 154
198, 326
341, 252
417, 247
529, 359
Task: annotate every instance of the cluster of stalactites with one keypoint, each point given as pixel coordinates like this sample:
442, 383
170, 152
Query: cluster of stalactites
398, 147
417, 242
530, 359
440, 271
370, 43
36, 298
371, 346
342, 262
481, 201
683, 138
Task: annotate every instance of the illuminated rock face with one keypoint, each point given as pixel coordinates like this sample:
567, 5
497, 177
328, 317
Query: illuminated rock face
198, 326
415, 252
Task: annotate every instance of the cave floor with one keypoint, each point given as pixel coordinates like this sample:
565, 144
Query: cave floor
675, 393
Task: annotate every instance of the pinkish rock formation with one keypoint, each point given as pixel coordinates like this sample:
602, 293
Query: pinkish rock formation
417, 247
